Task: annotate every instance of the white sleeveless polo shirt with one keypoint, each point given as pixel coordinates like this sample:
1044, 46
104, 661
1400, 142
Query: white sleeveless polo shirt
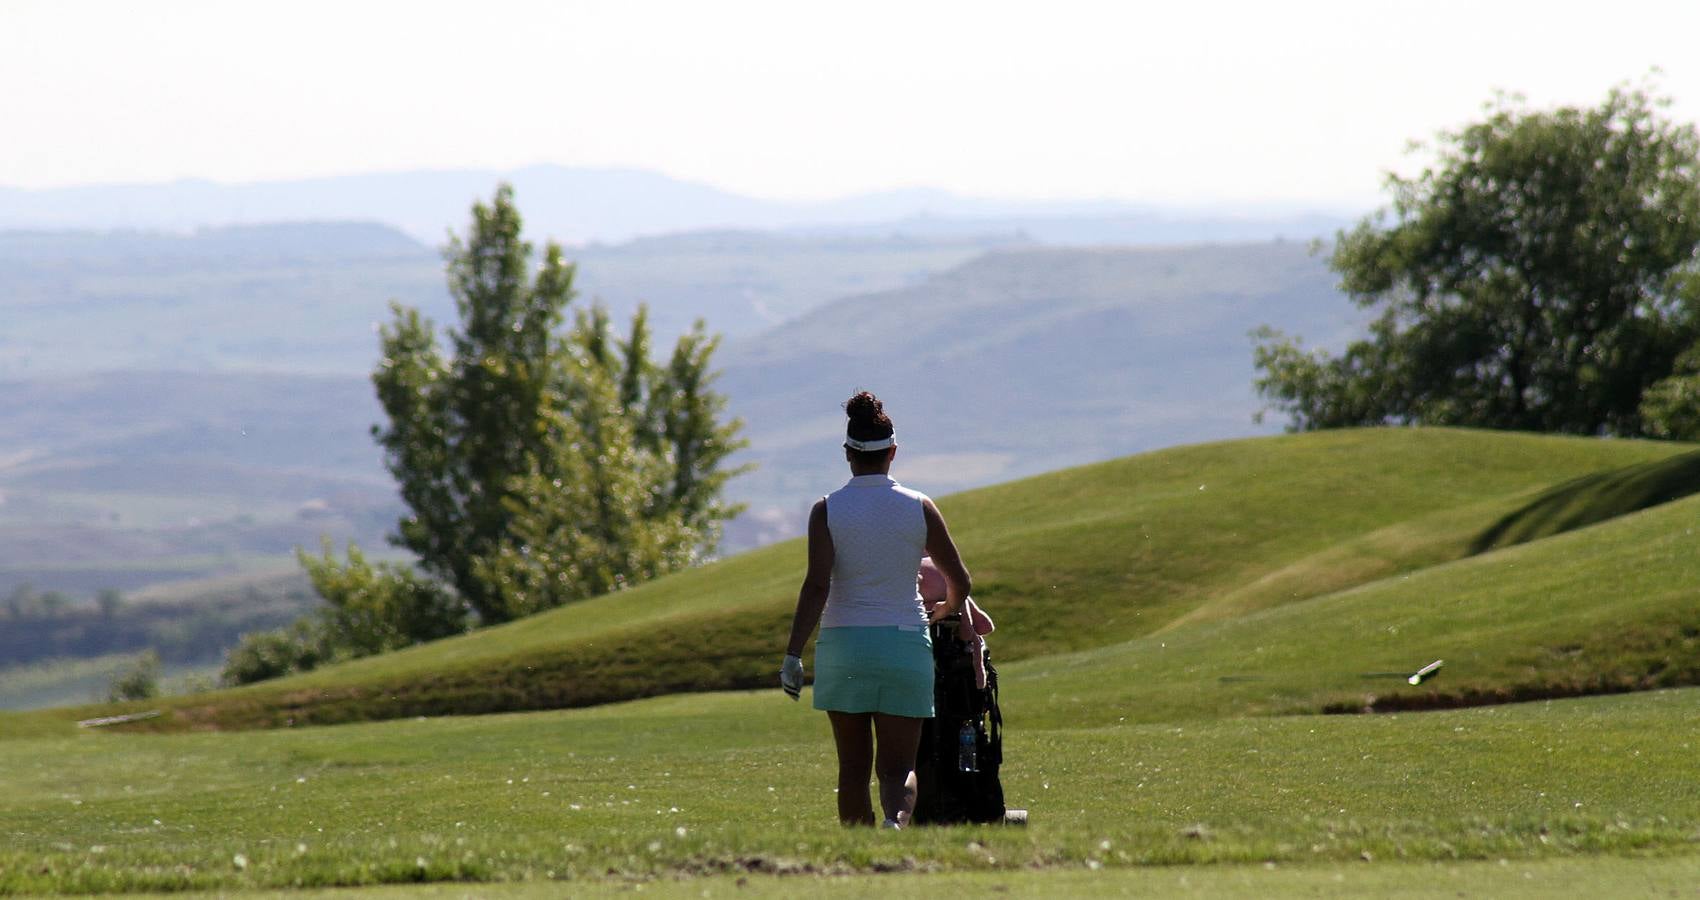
879, 534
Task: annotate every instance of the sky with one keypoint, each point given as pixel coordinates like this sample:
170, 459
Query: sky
1278, 105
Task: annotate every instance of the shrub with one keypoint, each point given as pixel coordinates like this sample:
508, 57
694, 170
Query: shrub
138, 682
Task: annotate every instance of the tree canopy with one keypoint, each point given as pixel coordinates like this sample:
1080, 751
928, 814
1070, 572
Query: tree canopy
543, 466
540, 462
1543, 274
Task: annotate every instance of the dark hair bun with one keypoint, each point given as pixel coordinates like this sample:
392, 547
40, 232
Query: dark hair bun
868, 421
865, 407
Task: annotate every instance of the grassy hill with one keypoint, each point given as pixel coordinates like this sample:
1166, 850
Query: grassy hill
1094, 573
1160, 617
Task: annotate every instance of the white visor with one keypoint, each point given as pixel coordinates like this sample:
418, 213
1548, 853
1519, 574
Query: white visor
864, 446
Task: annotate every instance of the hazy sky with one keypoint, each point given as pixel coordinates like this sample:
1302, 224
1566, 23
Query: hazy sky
1192, 102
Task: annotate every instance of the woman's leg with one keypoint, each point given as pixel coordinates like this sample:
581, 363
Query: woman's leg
853, 733
894, 764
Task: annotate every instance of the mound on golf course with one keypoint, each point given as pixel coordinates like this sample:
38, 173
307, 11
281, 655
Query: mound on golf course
1300, 573
1170, 627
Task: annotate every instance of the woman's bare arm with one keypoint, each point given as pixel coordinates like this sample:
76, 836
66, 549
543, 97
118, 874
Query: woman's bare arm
943, 551
811, 599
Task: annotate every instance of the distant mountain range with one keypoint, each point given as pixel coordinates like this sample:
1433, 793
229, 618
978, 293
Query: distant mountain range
583, 205
307, 297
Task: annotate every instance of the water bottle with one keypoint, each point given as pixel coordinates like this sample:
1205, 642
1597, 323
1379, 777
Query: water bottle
965, 747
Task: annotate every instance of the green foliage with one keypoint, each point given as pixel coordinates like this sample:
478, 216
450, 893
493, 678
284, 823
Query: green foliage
632, 488
539, 467
264, 655
140, 681
693, 437
1542, 275
1671, 407
373, 609
368, 609
462, 428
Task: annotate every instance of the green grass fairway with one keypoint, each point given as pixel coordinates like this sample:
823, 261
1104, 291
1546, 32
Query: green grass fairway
1534, 879
1084, 559
1171, 627
740, 784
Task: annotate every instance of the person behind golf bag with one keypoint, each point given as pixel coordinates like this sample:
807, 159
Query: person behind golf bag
874, 670
961, 748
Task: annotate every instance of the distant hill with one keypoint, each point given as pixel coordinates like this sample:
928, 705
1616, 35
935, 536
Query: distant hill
581, 205
131, 479
1116, 227
308, 297
1023, 361
183, 405
133, 252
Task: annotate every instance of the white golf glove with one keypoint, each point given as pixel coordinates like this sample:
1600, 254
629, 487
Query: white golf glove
791, 676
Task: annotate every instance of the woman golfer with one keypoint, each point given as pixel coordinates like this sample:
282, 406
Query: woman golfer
873, 660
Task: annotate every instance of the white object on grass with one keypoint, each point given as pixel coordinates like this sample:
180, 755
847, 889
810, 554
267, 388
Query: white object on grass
1426, 671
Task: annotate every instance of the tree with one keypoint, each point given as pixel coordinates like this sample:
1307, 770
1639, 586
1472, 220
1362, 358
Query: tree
21, 602
632, 487
53, 604
694, 437
542, 466
110, 600
1671, 407
1541, 275
538, 466
368, 609
373, 609
138, 682
263, 655
463, 429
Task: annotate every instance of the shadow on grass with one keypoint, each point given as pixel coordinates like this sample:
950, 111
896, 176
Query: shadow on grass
1590, 499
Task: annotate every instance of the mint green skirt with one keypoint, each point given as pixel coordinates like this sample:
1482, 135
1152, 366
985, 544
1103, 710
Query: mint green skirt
875, 669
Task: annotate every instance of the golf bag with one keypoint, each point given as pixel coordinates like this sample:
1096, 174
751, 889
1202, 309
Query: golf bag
946, 793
